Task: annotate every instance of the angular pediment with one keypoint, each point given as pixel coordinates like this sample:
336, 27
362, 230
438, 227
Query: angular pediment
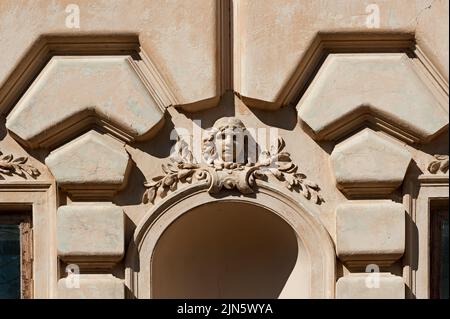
73, 93
383, 89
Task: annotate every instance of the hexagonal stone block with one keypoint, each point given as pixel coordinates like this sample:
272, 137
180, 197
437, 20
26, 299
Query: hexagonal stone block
369, 164
370, 232
91, 234
90, 161
73, 92
384, 90
87, 286
370, 286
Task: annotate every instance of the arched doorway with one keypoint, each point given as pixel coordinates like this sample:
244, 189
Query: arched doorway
224, 250
184, 226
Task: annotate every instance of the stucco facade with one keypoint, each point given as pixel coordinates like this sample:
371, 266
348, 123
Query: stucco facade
121, 137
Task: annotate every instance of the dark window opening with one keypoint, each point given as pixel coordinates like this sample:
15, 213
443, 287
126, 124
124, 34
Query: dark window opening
15, 256
439, 281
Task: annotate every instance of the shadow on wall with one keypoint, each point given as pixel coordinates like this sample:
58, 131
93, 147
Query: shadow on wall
232, 250
225, 108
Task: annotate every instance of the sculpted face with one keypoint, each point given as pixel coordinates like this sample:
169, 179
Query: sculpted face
229, 140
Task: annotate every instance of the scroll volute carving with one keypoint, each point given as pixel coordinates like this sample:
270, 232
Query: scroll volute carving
439, 164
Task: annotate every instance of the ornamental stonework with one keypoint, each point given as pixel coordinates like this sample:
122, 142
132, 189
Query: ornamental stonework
226, 165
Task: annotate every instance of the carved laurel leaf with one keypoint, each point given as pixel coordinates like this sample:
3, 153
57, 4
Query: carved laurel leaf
7, 158
259, 174
168, 180
155, 183
319, 198
290, 181
183, 173
28, 169
305, 192
275, 172
284, 157
149, 195
164, 169
280, 146
189, 166
172, 168
285, 166
310, 184
158, 178
20, 160
9, 166
300, 175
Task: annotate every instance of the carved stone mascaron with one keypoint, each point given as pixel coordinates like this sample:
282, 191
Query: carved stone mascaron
228, 169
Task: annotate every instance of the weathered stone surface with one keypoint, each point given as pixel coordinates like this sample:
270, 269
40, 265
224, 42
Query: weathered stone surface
369, 164
350, 89
91, 287
370, 232
165, 29
265, 70
72, 92
188, 43
90, 160
370, 286
90, 233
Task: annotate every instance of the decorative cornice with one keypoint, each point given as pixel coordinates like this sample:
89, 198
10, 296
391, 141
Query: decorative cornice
229, 175
48, 46
17, 166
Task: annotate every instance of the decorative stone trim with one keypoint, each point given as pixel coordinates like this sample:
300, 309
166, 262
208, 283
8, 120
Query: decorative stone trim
91, 234
10, 165
439, 165
93, 166
370, 232
316, 266
369, 165
417, 200
125, 109
330, 114
220, 173
37, 196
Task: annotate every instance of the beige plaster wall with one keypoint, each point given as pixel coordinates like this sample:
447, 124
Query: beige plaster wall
224, 251
186, 43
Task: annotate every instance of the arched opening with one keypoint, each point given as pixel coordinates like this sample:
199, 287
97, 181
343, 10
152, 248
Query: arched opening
297, 258
224, 250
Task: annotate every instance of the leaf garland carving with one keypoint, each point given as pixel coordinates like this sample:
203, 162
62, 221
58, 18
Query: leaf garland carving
182, 168
10, 165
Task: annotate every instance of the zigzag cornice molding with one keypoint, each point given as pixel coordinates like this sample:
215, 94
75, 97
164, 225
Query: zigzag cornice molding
328, 46
48, 47
326, 42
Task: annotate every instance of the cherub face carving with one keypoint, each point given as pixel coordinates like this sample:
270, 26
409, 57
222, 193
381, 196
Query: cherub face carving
228, 138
